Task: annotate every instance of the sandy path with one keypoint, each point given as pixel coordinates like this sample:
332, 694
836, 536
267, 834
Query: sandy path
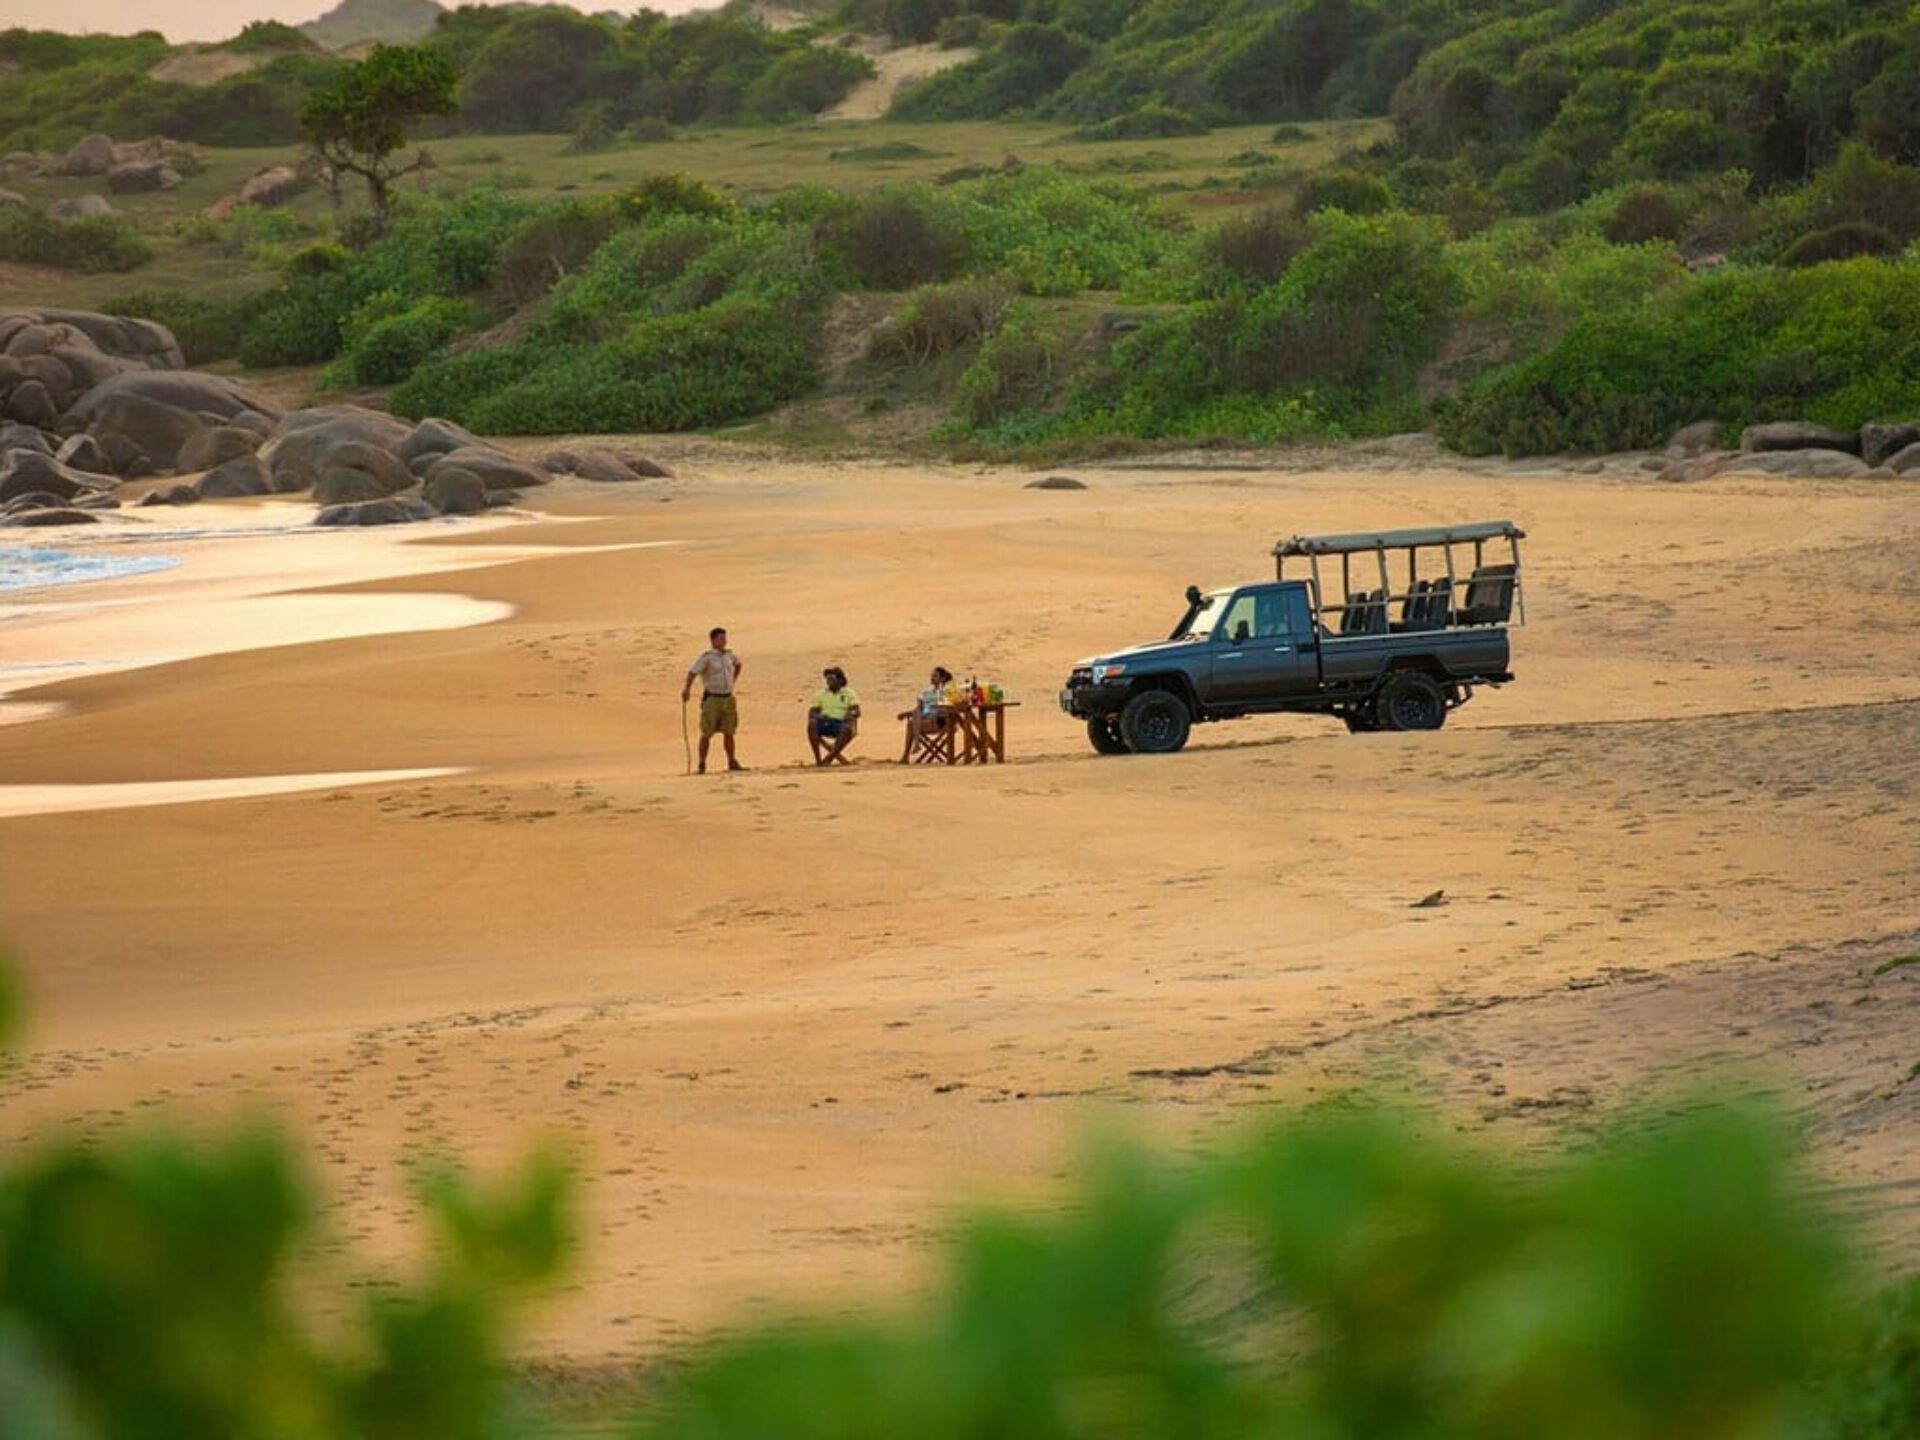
787, 1019
897, 66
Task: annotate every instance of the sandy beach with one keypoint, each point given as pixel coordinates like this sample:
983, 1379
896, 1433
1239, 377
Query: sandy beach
786, 1021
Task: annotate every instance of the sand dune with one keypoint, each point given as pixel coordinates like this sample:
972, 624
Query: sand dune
788, 1019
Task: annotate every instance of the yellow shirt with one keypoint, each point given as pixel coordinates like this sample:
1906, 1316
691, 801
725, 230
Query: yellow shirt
834, 704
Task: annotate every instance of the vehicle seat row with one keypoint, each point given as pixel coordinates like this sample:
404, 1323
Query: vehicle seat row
1428, 605
1365, 613
1489, 598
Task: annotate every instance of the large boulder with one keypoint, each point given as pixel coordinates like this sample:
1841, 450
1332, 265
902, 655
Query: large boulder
81, 207
1806, 464
271, 187
215, 447
83, 452
376, 512
91, 156
189, 390
601, 465
124, 458
496, 471
14, 436
31, 404
1879, 443
432, 438
1797, 435
62, 516
120, 342
455, 491
160, 413
303, 444
13, 200
29, 472
154, 429
54, 374
141, 177
240, 478
343, 485
1905, 461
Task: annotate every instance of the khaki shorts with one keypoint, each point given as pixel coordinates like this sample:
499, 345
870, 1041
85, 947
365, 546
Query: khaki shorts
719, 714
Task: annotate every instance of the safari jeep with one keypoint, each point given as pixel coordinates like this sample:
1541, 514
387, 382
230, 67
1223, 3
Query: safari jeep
1420, 620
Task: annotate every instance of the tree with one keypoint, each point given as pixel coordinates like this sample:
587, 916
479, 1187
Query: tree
358, 124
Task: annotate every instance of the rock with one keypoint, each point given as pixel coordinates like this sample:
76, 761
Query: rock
453, 490
1880, 443
434, 438
1905, 461
1690, 440
191, 391
496, 471
28, 339
240, 478
374, 460
1654, 463
32, 405
343, 485
1796, 435
124, 458
28, 471
12, 200
254, 423
53, 373
181, 495
141, 177
214, 447
1810, 464
271, 187
376, 512
83, 452
223, 207
158, 431
1056, 482
91, 156
33, 500
52, 517
598, 465
23, 437
117, 342
81, 207
302, 446
86, 363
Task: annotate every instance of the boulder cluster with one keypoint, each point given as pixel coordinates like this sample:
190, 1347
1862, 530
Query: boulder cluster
92, 403
126, 168
1791, 447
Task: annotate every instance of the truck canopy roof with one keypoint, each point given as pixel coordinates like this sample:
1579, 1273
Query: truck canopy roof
1399, 539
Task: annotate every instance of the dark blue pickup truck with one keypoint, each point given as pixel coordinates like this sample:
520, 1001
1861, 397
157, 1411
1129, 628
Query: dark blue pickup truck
1420, 620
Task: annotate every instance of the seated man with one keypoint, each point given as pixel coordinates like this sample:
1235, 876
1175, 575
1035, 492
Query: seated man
833, 719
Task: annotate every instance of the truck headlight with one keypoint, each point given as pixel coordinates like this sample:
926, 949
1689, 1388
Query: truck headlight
1107, 672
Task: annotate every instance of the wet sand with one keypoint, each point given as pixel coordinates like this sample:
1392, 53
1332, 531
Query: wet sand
788, 1019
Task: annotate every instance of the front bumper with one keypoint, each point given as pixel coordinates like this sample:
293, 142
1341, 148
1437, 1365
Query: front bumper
1085, 700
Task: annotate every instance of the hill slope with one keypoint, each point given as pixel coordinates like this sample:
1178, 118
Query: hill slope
351, 22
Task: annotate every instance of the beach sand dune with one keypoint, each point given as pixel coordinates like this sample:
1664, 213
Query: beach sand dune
788, 1020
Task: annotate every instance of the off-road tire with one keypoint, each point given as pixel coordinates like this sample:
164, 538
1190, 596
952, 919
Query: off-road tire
1104, 732
1411, 700
1155, 722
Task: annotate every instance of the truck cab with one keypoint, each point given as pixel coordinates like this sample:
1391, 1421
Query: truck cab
1398, 656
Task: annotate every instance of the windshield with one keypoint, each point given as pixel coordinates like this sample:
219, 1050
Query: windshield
1201, 622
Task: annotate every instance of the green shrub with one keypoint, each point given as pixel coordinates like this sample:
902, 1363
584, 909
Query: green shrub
673, 193
1152, 121
208, 330
891, 239
650, 130
805, 81
93, 245
1837, 344
1250, 251
1019, 368
545, 248
1348, 190
1644, 214
593, 128
386, 350
937, 319
302, 324
1845, 241
1051, 234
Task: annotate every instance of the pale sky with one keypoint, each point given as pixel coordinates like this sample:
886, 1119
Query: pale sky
181, 20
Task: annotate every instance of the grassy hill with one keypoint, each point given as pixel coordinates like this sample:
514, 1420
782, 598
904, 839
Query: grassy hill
394, 22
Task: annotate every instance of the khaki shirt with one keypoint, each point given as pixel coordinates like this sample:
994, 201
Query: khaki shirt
716, 671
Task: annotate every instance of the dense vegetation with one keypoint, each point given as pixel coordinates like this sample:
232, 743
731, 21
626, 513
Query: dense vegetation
1348, 1274
547, 68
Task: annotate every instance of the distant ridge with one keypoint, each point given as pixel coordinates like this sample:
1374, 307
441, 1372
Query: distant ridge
353, 22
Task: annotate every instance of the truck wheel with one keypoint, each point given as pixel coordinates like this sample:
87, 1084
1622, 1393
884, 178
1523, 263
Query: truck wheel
1155, 722
1411, 701
1104, 732
1363, 721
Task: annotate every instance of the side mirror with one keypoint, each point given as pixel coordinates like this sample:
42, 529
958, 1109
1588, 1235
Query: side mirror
1194, 597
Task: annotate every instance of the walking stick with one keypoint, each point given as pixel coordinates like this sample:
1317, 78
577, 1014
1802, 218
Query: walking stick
685, 743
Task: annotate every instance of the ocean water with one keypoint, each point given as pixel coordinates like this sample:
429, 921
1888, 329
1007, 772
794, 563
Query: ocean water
26, 567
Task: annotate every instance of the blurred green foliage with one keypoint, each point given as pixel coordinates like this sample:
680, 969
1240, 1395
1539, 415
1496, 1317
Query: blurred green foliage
93, 245
1348, 1272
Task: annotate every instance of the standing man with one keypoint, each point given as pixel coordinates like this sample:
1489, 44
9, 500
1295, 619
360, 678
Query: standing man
717, 670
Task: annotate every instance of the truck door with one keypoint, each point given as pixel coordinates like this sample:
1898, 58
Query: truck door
1264, 649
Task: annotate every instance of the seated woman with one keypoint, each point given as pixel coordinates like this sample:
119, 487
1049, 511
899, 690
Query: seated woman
833, 719
930, 717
